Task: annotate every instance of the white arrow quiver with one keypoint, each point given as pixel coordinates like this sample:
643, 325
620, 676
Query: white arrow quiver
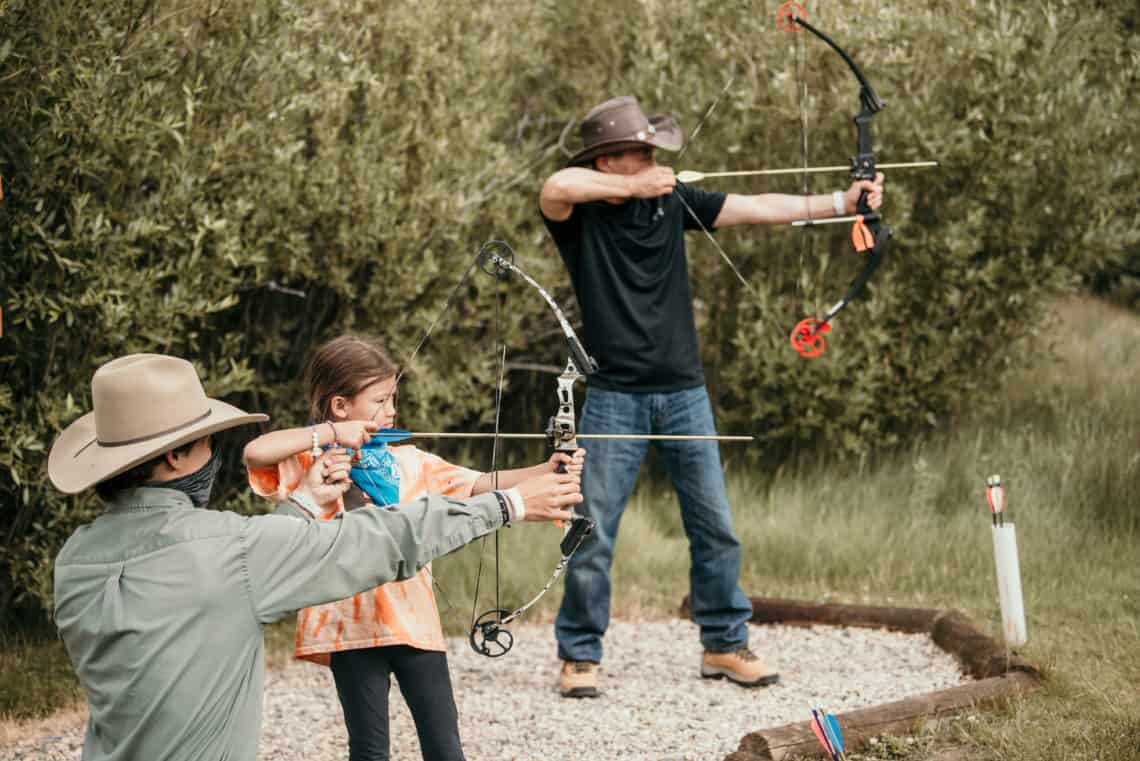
1008, 567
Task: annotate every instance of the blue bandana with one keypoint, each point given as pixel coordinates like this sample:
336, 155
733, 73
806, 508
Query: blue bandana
377, 474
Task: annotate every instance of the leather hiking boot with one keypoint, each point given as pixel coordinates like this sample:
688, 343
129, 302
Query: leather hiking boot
741, 666
579, 679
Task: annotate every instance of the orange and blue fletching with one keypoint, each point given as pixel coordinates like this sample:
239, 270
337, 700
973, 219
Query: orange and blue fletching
385, 436
820, 734
835, 734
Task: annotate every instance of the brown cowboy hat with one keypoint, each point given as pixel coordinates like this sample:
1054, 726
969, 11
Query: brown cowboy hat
145, 404
619, 124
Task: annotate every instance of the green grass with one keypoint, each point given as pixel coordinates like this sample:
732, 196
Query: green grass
911, 530
35, 675
914, 530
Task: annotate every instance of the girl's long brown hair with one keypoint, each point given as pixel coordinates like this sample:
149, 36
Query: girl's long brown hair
345, 366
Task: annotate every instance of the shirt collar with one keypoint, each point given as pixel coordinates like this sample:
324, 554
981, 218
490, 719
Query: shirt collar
148, 498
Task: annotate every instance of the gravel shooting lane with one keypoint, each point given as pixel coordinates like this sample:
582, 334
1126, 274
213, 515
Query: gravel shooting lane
654, 705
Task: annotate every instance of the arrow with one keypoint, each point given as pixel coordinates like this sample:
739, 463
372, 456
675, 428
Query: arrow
826, 730
826, 221
392, 435
995, 496
691, 176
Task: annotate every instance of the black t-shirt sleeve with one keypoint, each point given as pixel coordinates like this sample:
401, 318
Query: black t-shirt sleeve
706, 204
565, 233
567, 236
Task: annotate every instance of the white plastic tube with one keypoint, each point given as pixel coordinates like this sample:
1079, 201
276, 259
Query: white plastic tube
1009, 585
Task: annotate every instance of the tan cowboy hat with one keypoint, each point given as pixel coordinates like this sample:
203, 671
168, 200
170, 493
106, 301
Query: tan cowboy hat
619, 123
145, 404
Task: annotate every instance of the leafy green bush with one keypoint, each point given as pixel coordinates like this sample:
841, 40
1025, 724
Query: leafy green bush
236, 182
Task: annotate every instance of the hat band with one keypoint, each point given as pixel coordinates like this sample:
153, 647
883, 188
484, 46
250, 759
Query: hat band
150, 436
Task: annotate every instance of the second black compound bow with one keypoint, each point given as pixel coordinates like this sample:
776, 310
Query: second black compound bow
869, 234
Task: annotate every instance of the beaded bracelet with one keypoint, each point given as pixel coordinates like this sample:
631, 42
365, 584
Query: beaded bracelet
316, 450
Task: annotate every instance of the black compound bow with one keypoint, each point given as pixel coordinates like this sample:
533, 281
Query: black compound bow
868, 233
488, 635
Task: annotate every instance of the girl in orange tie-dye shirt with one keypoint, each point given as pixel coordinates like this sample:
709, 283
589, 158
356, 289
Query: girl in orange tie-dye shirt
394, 628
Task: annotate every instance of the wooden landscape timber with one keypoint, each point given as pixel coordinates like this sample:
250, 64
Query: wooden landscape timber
998, 674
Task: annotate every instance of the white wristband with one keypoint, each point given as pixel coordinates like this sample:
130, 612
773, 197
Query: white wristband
517, 504
839, 203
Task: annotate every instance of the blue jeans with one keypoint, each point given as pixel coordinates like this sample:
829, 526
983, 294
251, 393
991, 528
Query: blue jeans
719, 606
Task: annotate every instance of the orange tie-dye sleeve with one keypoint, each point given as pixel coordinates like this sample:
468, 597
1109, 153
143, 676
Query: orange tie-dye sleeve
397, 613
442, 477
278, 480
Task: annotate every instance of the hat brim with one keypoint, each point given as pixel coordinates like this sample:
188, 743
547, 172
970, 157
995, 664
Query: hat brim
667, 137
78, 461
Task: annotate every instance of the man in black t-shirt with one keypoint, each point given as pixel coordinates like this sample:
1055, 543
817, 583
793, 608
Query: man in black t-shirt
618, 221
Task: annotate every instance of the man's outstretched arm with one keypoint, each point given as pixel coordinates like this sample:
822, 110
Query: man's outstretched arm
780, 208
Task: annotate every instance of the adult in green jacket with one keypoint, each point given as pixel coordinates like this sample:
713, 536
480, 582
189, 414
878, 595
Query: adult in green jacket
161, 603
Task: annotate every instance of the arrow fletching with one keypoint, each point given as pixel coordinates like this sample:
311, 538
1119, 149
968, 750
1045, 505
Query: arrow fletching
835, 734
817, 728
384, 437
995, 495
690, 176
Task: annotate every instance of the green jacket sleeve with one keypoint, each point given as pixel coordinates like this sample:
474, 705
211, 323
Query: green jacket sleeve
291, 563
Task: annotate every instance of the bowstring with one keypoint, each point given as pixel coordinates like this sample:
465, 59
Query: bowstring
696, 131
752, 291
806, 241
501, 351
533, 159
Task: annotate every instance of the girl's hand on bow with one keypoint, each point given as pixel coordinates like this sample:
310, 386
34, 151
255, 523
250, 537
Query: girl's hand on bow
354, 433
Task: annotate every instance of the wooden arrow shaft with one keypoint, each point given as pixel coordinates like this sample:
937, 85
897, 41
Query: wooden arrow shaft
691, 176
626, 436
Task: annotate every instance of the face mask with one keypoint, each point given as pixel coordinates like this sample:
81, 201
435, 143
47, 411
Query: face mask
197, 485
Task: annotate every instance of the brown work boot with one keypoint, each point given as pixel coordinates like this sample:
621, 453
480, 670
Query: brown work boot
579, 679
741, 666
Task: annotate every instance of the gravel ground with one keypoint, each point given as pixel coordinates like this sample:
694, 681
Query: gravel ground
653, 706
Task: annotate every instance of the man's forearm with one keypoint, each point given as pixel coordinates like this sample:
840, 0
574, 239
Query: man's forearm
773, 209
575, 185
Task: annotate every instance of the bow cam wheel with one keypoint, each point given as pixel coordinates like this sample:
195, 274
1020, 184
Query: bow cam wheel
807, 337
488, 637
496, 258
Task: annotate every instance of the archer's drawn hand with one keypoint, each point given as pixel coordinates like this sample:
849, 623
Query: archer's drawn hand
354, 433
327, 479
550, 496
874, 193
652, 182
573, 462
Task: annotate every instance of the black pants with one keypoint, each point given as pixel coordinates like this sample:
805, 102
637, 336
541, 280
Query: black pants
363, 678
